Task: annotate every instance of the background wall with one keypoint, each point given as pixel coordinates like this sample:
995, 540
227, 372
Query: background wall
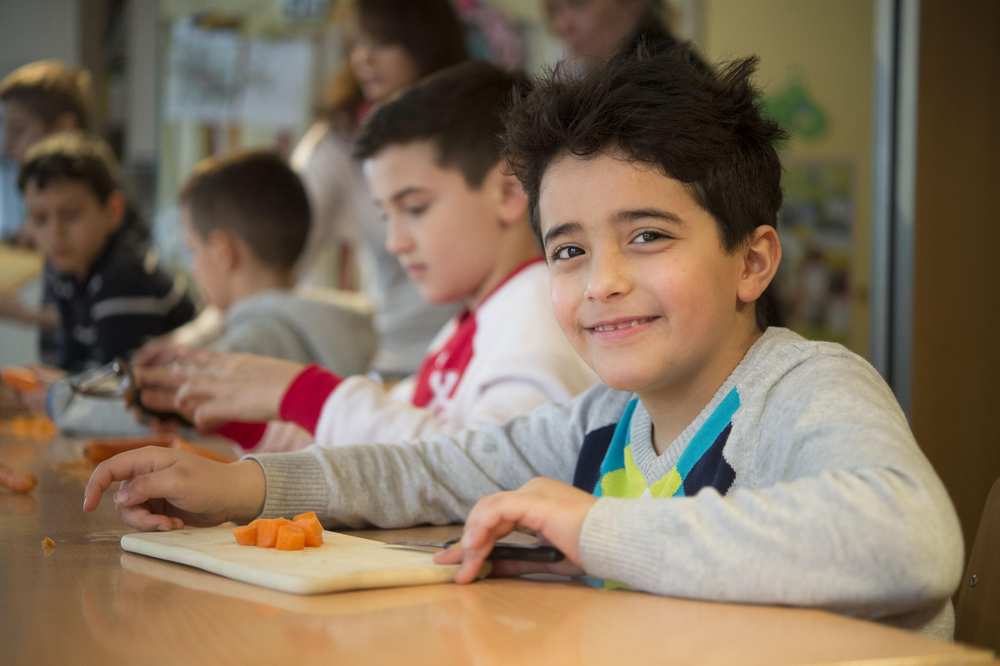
956, 313
829, 48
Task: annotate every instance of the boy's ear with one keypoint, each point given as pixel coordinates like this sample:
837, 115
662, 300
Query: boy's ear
513, 201
115, 208
224, 249
761, 258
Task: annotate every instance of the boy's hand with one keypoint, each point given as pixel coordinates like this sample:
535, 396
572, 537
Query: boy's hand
551, 509
213, 388
164, 489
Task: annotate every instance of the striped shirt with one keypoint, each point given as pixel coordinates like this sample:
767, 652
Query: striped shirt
126, 299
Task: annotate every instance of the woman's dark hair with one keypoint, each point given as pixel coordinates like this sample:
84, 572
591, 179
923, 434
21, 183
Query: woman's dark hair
698, 125
430, 31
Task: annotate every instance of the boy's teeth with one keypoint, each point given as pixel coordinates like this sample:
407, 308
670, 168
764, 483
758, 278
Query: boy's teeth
604, 328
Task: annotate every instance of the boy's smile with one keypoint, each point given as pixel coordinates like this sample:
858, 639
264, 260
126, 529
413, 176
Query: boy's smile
641, 283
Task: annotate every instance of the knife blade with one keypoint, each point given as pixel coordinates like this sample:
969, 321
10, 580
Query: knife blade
501, 551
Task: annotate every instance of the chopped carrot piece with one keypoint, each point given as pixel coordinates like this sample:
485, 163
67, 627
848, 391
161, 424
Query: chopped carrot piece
19, 483
267, 531
291, 537
311, 527
179, 443
48, 545
99, 450
246, 535
21, 379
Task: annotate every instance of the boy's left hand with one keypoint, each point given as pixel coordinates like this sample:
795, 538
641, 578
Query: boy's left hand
553, 510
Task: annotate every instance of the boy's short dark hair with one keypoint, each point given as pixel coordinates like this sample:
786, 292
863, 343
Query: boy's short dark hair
697, 125
74, 157
49, 88
459, 109
255, 195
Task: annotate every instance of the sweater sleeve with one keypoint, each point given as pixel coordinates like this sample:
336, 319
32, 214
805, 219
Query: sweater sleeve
361, 410
435, 480
842, 511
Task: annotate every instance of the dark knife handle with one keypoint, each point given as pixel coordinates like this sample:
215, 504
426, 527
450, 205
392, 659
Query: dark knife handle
521, 552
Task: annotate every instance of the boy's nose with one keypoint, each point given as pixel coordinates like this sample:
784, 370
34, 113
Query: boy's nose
608, 277
397, 240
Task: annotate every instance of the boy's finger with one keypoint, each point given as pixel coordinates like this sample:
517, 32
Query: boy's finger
161, 484
158, 400
141, 518
159, 376
123, 467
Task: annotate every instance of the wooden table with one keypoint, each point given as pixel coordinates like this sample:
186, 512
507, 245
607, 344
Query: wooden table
89, 602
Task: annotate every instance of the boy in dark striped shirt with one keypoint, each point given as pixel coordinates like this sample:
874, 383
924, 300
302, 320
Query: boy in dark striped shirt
110, 292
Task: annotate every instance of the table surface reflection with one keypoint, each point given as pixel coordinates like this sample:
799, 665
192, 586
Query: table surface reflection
89, 602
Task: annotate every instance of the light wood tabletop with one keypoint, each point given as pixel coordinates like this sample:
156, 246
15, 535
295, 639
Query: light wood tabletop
88, 602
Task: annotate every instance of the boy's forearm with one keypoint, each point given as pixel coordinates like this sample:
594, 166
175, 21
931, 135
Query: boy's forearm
436, 480
870, 542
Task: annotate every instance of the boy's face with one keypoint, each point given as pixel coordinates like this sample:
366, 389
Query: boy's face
444, 233
69, 224
641, 284
21, 130
207, 268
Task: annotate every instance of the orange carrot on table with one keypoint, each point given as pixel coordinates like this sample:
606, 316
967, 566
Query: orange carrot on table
267, 530
184, 445
246, 535
99, 450
311, 527
290, 537
21, 379
15, 481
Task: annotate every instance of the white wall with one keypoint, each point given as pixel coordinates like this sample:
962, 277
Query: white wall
36, 29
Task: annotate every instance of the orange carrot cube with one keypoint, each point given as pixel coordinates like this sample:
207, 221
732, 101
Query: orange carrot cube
267, 531
246, 535
312, 529
291, 537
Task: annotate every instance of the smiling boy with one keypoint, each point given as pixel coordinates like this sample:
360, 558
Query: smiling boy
720, 459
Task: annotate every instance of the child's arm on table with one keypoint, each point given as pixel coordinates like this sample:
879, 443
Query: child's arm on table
165, 489
842, 512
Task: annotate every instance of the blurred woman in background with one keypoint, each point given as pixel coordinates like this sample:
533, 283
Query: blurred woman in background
390, 46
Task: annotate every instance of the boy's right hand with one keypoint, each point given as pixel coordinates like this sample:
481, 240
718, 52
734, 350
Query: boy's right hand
165, 489
212, 388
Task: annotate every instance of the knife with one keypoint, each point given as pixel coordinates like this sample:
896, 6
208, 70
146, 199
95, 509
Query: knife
501, 551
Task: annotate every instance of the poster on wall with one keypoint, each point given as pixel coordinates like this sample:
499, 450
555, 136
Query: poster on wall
816, 223
220, 77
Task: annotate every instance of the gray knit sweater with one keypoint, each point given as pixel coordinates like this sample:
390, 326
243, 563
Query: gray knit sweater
831, 503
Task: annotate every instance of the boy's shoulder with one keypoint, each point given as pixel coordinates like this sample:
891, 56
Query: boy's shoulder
785, 373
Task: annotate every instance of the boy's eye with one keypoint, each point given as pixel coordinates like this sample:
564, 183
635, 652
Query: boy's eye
416, 211
566, 252
648, 236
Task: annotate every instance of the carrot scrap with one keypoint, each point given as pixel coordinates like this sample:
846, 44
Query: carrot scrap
21, 379
290, 537
246, 535
281, 533
267, 530
19, 483
99, 450
311, 527
48, 545
183, 445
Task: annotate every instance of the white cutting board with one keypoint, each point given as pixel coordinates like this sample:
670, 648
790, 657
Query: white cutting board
342, 563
